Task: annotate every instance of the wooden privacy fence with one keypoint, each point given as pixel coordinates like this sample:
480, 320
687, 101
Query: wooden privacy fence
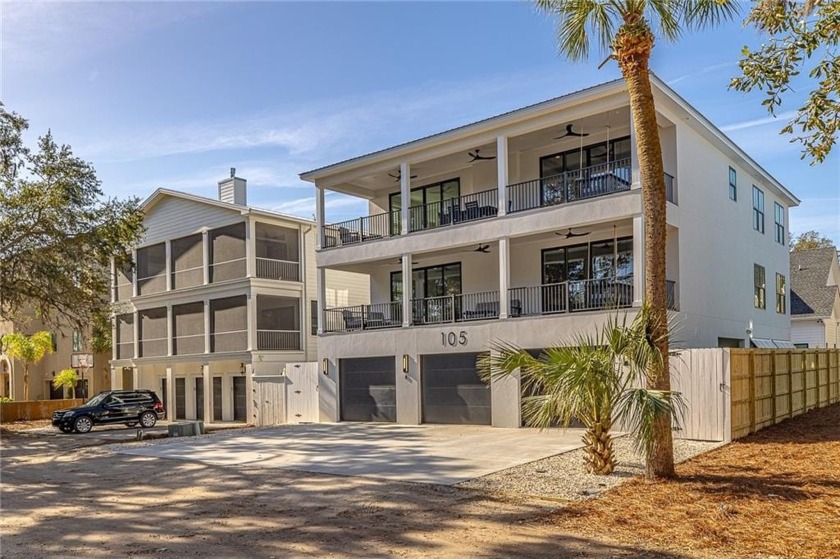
33, 409
770, 385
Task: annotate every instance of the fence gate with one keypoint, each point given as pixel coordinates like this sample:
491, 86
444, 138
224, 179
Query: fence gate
301, 392
268, 400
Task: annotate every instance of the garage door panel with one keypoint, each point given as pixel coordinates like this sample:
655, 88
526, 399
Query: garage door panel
368, 389
453, 391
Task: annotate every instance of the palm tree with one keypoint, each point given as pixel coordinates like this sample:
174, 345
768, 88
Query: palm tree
628, 30
595, 379
29, 350
67, 379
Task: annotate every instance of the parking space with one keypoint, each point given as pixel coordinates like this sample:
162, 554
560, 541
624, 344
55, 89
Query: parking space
438, 454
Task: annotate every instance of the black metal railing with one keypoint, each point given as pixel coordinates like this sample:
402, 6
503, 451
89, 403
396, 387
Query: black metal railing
571, 296
363, 317
589, 182
671, 296
456, 308
362, 229
469, 207
671, 189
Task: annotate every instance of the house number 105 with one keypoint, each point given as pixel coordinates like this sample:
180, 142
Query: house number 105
452, 339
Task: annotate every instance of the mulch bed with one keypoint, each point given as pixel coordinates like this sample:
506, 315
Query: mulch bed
775, 493
18, 426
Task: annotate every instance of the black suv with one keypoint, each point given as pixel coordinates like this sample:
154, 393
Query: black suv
112, 406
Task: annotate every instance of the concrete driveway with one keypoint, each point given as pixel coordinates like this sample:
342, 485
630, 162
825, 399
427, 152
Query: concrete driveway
437, 454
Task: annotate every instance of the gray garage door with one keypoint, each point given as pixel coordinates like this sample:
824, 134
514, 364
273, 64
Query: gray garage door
452, 390
368, 389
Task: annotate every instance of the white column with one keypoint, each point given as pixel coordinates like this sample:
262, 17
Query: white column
249, 248
251, 312
136, 335
115, 336
169, 331
207, 344
134, 290
135, 379
636, 180
502, 166
116, 381
319, 217
408, 290
208, 393
321, 287
170, 394
113, 282
405, 196
638, 260
168, 245
505, 401
504, 277
250, 416
205, 241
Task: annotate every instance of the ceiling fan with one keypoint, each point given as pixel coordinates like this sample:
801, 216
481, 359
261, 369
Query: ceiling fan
483, 249
478, 157
398, 176
570, 132
569, 234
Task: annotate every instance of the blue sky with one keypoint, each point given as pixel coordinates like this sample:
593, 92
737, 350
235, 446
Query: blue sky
173, 94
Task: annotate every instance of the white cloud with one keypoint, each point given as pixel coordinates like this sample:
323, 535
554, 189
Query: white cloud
338, 207
701, 72
779, 119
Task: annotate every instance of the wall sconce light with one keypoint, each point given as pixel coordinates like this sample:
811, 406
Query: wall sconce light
405, 363
53, 373
325, 366
242, 368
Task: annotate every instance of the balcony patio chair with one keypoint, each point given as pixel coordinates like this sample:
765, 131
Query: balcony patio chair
348, 237
515, 307
352, 321
485, 309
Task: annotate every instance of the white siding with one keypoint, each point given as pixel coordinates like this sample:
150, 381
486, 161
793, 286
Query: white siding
172, 218
808, 332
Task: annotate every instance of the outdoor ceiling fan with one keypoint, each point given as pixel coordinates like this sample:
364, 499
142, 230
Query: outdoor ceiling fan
571, 132
398, 176
569, 234
483, 249
478, 157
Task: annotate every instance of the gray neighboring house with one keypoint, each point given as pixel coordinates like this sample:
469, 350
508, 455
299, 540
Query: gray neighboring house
815, 298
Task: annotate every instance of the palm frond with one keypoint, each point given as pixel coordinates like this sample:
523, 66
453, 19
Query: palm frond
701, 14
665, 15
581, 22
641, 408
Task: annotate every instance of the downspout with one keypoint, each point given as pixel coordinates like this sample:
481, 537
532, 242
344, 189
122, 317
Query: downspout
305, 304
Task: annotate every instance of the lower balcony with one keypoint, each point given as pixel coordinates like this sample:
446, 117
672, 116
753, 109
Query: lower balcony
571, 296
278, 340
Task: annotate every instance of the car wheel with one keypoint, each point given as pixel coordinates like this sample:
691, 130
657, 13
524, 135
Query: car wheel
83, 424
148, 419
130, 425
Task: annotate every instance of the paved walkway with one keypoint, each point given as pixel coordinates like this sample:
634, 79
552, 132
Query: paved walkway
438, 454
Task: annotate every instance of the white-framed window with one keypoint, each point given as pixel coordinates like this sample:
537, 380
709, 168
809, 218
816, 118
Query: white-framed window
781, 298
779, 214
760, 287
758, 209
733, 185
77, 341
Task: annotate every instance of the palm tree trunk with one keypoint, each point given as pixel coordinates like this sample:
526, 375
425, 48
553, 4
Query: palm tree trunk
632, 49
600, 459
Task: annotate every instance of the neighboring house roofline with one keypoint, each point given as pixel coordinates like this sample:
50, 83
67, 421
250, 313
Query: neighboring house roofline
162, 193
510, 117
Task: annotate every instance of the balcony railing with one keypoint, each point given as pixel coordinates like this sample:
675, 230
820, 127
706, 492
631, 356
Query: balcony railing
233, 340
188, 277
125, 350
278, 340
671, 295
362, 229
588, 182
363, 317
571, 296
227, 270
188, 345
269, 268
153, 347
469, 207
456, 308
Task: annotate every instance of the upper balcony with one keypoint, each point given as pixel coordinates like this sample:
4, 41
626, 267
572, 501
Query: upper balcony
237, 251
556, 161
